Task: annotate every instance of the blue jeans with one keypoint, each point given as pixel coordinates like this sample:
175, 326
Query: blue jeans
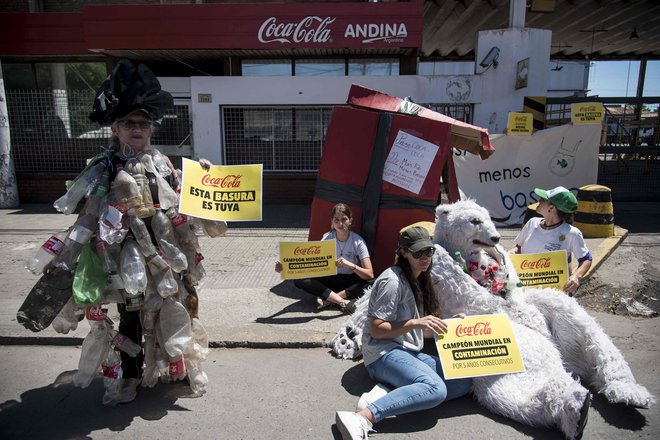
417, 381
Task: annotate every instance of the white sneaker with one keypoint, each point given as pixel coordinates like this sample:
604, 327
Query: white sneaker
352, 426
370, 397
128, 390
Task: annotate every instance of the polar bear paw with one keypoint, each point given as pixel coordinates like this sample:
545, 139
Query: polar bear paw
631, 394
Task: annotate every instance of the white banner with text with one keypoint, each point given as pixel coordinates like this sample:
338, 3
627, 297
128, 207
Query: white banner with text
504, 183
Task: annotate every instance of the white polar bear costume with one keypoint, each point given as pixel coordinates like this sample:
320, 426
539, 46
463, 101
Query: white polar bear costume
558, 339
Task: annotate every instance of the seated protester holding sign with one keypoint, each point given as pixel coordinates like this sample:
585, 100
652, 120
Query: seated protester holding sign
403, 310
354, 270
555, 232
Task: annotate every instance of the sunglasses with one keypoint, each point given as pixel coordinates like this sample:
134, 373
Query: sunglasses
424, 252
132, 125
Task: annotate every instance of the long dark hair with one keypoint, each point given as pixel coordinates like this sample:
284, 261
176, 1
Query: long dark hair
427, 302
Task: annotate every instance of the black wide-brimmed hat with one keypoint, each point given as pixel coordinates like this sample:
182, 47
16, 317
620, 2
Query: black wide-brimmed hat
131, 86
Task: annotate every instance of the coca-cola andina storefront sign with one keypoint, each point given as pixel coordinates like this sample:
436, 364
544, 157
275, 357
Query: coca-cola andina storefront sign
327, 30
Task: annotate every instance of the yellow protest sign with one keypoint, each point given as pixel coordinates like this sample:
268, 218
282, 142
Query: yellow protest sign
587, 113
480, 345
548, 269
519, 123
308, 259
230, 193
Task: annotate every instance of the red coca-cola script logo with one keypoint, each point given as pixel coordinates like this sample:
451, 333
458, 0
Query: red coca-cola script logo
228, 181
177, 367
478, 329
311, 29
94, 313
311, 250
541, 263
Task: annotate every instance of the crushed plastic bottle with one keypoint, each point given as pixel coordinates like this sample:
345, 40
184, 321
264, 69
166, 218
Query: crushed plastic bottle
109, 255
214, 228
112, 378
113, 224
68, 318
177, 337
46, 253
124, 343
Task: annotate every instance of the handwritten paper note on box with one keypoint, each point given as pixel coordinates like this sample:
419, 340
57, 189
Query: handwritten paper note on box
409, 162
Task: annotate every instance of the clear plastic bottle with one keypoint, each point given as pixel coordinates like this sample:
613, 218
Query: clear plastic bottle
166, 284
197, 378
108, 254
164, 232
214, 228
176, 333
83, 183
124, 343
112, 378
78, 236
161, 162
189, 245
167, 197
113, 224
94, 348
46, 253
142, 236
461, 261
133, 274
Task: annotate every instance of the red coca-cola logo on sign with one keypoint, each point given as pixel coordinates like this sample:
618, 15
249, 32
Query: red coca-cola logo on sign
541, 263
228, 181
311, 29
311, 250
478, 329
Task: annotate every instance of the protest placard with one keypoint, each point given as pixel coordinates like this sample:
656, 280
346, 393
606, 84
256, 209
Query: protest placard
308, 259
547, 269
230, 193
479, 345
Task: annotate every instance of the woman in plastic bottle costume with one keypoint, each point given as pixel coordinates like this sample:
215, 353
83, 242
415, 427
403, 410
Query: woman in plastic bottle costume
149, 252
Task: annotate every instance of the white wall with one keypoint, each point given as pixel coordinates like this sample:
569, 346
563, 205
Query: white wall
265, 91
499, 95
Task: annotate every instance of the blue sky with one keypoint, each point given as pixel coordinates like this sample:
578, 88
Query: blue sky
619, 78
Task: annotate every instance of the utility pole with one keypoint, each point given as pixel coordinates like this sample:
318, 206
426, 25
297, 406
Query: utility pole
8, 187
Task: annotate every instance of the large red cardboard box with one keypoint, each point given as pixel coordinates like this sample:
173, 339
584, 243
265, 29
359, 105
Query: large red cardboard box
356, 147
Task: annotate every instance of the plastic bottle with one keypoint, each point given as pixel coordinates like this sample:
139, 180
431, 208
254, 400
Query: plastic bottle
214, 228
126, 191
112, 378
97, 193
197, 378
108, 254
142, 236
197, 226
113, 225
78, 236
167, 197
166, 284
69, 201
177, 337
461, 261
94, 348
164, 232
68, 318
133, 274
161, 162
124, 343
46, 253
135, 168
189, 245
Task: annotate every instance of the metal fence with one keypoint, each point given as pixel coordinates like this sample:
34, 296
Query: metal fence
629, 155
50, 131
282, 138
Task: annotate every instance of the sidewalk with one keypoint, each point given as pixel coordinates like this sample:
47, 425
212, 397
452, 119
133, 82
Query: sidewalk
243, 302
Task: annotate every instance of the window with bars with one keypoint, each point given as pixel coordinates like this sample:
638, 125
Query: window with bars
50, 131
460, 112
283, 138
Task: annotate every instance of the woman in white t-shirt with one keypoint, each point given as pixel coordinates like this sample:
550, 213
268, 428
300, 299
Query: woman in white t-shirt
354, 270
554, 232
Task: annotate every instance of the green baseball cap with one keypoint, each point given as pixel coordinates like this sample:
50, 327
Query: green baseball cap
415, 239
562, 198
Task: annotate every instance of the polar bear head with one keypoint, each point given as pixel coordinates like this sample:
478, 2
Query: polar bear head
465, 227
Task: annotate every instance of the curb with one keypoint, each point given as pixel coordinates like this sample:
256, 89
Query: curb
605, 249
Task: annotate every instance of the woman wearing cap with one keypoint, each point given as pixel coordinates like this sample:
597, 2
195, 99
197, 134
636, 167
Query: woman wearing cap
403, 310
554, 232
